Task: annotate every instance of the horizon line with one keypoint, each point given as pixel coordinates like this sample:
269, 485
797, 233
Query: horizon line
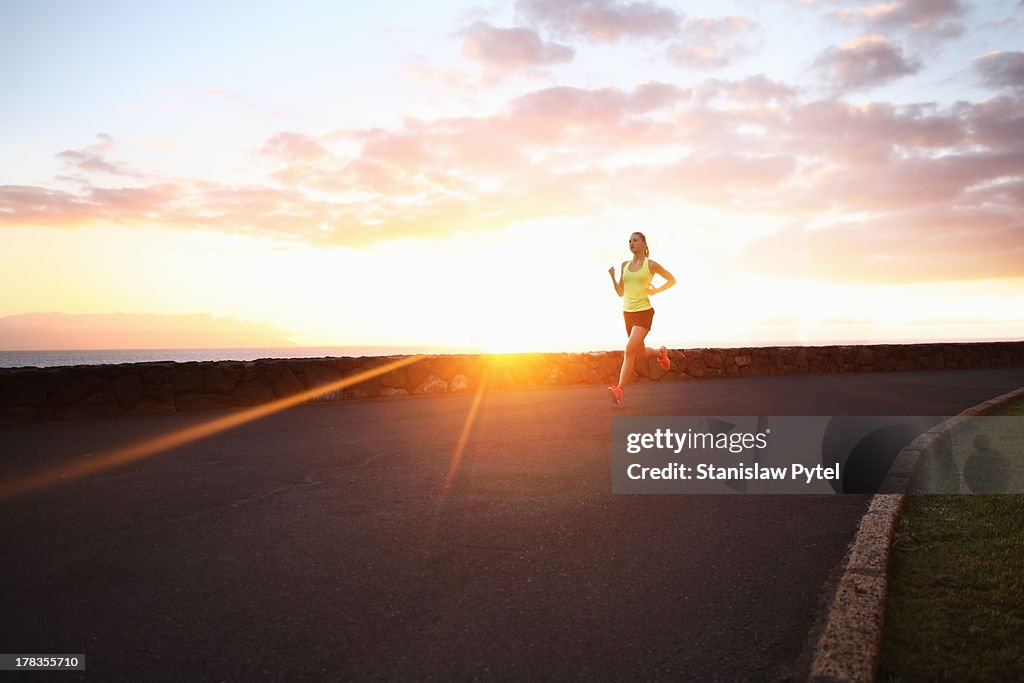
410, 348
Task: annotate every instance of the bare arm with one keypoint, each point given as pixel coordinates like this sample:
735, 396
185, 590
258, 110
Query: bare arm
616, 283
657, 269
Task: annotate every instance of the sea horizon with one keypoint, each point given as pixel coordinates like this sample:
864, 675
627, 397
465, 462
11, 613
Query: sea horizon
44, 358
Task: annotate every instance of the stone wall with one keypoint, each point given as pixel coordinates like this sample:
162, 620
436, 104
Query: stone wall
93, 391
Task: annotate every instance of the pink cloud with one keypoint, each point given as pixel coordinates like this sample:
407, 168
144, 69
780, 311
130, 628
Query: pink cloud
920, 244
996, 123
454, 80
549, 112
403, 149
512, 48
135, 202
934, 19
1001, 69
25, 205
691, 41
917, 181
714, 179
120, 205
871, 133
712, 43
758, 88
602, 21
1005, 194
864, 62
734, 145
294, 147
94, 158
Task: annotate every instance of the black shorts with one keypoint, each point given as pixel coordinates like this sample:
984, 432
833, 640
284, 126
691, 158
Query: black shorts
638, 318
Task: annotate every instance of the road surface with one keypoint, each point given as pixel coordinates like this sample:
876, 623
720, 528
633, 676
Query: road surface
323, 542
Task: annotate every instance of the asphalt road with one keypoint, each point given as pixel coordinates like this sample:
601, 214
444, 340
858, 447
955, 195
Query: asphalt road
322, 542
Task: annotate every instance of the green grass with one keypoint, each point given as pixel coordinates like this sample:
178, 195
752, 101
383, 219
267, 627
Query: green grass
956, 599
1013, 408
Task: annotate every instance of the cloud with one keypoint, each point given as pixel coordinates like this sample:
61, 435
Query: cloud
933, 244
997, 123
718, 179
25, 205
700, 42
512, 48
1006, 194
929, 19
752, 145
294, 147
557, 107
424, 177
453, 80
756, 89
883, 158
712, 43
760, 88
693, 42
865, 135
94, 158
602, 21
864, 62
1001, 69
916, 181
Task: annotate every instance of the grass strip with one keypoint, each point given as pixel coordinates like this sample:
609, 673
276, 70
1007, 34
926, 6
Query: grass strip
1015, 407
956, 598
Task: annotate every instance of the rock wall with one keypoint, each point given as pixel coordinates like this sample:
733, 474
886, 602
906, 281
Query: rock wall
93, 391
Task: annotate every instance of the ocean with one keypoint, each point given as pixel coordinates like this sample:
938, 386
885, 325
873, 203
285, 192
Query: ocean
47, 359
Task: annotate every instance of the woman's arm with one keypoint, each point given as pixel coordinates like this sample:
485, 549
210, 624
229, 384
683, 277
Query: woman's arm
658, 270
616, 283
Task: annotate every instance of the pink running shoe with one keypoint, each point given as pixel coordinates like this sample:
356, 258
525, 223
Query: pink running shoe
663, 360
616, 394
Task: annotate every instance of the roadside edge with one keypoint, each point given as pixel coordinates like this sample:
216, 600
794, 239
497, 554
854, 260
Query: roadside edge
850, 643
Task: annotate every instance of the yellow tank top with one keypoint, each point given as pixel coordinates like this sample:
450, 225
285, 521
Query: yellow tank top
634, 288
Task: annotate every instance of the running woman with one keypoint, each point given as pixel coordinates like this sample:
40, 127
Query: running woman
635, 287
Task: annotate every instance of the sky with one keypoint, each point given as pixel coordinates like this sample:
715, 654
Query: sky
462, 175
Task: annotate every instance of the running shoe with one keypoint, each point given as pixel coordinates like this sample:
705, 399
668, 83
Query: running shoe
663, 360
616, 394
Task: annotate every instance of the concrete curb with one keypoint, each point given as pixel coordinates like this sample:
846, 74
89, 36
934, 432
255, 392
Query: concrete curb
850, 644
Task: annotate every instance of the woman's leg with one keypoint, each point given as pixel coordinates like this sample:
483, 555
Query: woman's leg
661, 354
634, 349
